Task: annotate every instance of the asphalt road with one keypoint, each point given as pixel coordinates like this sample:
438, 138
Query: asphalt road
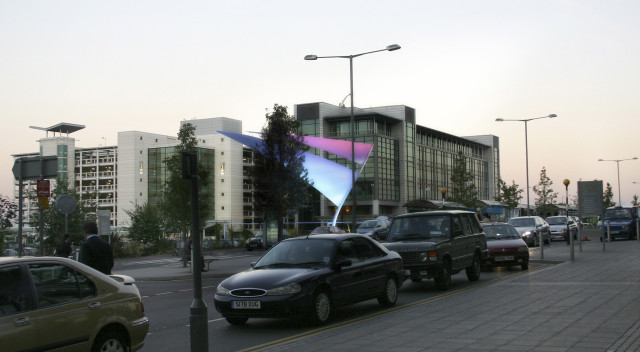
167, 304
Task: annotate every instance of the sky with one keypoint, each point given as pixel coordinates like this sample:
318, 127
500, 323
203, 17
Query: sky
146, 65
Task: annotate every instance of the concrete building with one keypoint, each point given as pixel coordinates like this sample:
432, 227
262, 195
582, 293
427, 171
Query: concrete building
408, 162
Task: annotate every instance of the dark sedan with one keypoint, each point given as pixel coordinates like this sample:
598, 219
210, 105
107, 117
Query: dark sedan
309, 277
506, 247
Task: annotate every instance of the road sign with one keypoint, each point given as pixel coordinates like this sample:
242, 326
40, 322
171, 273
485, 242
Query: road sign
35, 168
43, 188
590, 198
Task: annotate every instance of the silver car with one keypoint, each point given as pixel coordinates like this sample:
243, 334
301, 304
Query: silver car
52, 303
530, 228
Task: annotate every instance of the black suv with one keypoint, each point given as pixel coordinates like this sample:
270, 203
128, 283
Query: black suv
438, 244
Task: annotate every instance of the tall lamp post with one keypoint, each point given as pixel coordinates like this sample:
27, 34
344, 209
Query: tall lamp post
526, 147
391, 47
618, 164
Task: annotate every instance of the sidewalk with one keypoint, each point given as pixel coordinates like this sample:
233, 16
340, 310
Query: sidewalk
590, 304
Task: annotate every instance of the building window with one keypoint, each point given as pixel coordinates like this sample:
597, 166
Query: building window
221, 139
221, 153
140, 137
141, 169
223, 207
222, 180
140, 180
223, 194
141, 152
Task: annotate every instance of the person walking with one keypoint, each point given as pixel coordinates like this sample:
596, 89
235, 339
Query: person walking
95, 252
64, 247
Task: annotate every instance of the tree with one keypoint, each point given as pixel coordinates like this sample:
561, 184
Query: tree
54, 221
509, 195
8, 212
546, 196
607, 197
280, 179
176, 199
146, 224
464, 189
634, 201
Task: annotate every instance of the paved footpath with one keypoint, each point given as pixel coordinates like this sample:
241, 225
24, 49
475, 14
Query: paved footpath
589, 304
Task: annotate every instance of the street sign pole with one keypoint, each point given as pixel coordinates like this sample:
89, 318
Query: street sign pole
32, 168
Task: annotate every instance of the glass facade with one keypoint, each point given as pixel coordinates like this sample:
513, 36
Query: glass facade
158, 174
408, 161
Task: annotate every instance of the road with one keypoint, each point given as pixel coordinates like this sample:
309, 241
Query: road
167, 304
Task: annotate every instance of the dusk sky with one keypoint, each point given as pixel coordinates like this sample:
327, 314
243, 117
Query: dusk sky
147, 65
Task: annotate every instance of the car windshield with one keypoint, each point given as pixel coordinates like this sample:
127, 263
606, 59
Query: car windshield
617, 214
500, 232
308, 251
434, 227
522, 222
557, 220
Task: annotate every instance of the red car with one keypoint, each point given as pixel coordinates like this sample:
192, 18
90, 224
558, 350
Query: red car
506, 247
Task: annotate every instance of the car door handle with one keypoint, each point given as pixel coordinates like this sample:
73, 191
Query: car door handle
22, 322
94, 305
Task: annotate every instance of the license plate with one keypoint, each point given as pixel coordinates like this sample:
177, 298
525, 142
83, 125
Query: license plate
614, 232
245, 304
504, 258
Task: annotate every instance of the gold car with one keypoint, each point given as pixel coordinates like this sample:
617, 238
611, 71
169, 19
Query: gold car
51, 303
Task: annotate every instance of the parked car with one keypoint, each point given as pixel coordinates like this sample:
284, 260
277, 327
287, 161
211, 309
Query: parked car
506, 246
530, 228
558, 228
438, 244
9, 252
326, 229
309, 276
375, 228
56, 303
255, 242
621, 222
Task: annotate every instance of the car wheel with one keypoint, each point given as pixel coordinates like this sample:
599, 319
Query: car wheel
321, 308
443, 280
110, 341
473, 271
390, 295
236, 321
524, 266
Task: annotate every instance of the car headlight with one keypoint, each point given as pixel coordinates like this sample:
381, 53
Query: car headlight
289, 289
523, 249
527, 234
423, 257
222, 291
625, 227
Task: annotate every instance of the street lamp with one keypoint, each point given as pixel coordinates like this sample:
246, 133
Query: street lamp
391, 47
618, 164
526, 147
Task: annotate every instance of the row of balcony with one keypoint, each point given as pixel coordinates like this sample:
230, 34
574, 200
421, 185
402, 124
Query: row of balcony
94, 161
100, 188
101, 174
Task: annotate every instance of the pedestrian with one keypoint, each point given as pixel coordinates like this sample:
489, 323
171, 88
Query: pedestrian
486, 218
95, 252
64, 247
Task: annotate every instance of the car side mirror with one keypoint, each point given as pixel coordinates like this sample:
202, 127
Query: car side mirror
253, 264
341, 264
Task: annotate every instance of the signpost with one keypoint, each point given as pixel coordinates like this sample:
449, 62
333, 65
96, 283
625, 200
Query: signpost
590, 202
33, 168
